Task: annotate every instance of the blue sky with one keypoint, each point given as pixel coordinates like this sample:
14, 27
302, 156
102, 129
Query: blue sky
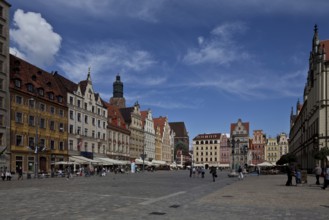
207, 63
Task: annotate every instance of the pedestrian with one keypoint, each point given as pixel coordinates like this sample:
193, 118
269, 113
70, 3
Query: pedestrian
326, 177
213, 173
190, 172
20, 173
317, 171
3, 175
298, 176
290, 173
8, 175
193, 170
202, 172
240, 173
258, 170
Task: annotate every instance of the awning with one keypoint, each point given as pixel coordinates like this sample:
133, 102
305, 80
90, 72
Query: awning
158, 162
140, 161
83, 160
109, 161
223, 165
65, 163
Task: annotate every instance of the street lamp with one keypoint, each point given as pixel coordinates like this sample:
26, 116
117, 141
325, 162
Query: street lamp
233, 173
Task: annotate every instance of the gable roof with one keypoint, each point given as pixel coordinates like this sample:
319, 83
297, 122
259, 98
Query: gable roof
160, 122
211, 136
115, 115
126, 114
179, 129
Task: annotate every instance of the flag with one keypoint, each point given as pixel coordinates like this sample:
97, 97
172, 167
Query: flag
36, 150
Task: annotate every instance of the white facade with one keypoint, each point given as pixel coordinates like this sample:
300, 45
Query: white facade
149, 134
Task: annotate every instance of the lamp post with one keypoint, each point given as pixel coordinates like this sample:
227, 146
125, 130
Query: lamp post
233, 173
36, 147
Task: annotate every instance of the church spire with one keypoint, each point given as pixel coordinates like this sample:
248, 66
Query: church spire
315, 39
118, 88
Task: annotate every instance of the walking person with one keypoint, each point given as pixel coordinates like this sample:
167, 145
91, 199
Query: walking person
326, 177
317, 171
290, 173
8, 175
3, 175
202, 172
213, 173
240, 173
20, 173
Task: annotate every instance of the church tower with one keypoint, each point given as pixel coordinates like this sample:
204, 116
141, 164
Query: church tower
118, 99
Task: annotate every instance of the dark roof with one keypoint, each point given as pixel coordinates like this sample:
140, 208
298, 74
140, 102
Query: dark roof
115, 115
179, 129
68, 85
29, 74
126, 114
208, 136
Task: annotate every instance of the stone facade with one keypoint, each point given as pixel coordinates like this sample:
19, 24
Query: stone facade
225, 150
38, 119
149, 134
257, 148
206, 149
87, 125
309, 124
240, 141
4, 84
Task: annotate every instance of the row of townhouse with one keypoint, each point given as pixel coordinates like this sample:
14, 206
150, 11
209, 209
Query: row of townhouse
238, 148
53, 118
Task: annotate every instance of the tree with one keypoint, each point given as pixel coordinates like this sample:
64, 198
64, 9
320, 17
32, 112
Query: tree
287, 158
322, 154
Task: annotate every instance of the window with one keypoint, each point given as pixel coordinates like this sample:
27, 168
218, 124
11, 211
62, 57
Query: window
86, 132
79, 103
71, 144
93, 134
71, 115
98, 135
42, 123
60, 99
52, 145
1, 84
71, 100
19, 140
71, 129
31, 141
1, 120
79, 117
30, 88
42, 143
19, 99
79, 130
52, 125
86, 119
1, 29
41, 92
1, 102
17, 83
51, 96
19, 117
42, 107
61, 127
86, 106
61, 145
93, 121
52, 110
61, 112
99, 123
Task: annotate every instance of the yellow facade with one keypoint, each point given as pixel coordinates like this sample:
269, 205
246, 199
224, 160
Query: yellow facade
40, 121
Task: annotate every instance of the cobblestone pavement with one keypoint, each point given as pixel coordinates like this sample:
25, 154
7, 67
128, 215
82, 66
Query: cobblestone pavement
162, 195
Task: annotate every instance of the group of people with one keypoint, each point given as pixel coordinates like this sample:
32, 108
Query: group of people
197, 171
322, 172
293, 171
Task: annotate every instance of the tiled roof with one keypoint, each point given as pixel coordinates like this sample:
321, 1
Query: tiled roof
144, 116
325, 43
213, 136
126, 114
67, 84
115, 115
244, 124
29, 74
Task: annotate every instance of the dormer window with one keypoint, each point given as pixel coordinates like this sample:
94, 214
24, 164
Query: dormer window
41, 92
30, 88
49, 84
18, 83
34, 77
51, 95
60, 99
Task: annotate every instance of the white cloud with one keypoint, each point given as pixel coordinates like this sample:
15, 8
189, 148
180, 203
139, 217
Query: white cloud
105, 59
220, 48
34, 38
